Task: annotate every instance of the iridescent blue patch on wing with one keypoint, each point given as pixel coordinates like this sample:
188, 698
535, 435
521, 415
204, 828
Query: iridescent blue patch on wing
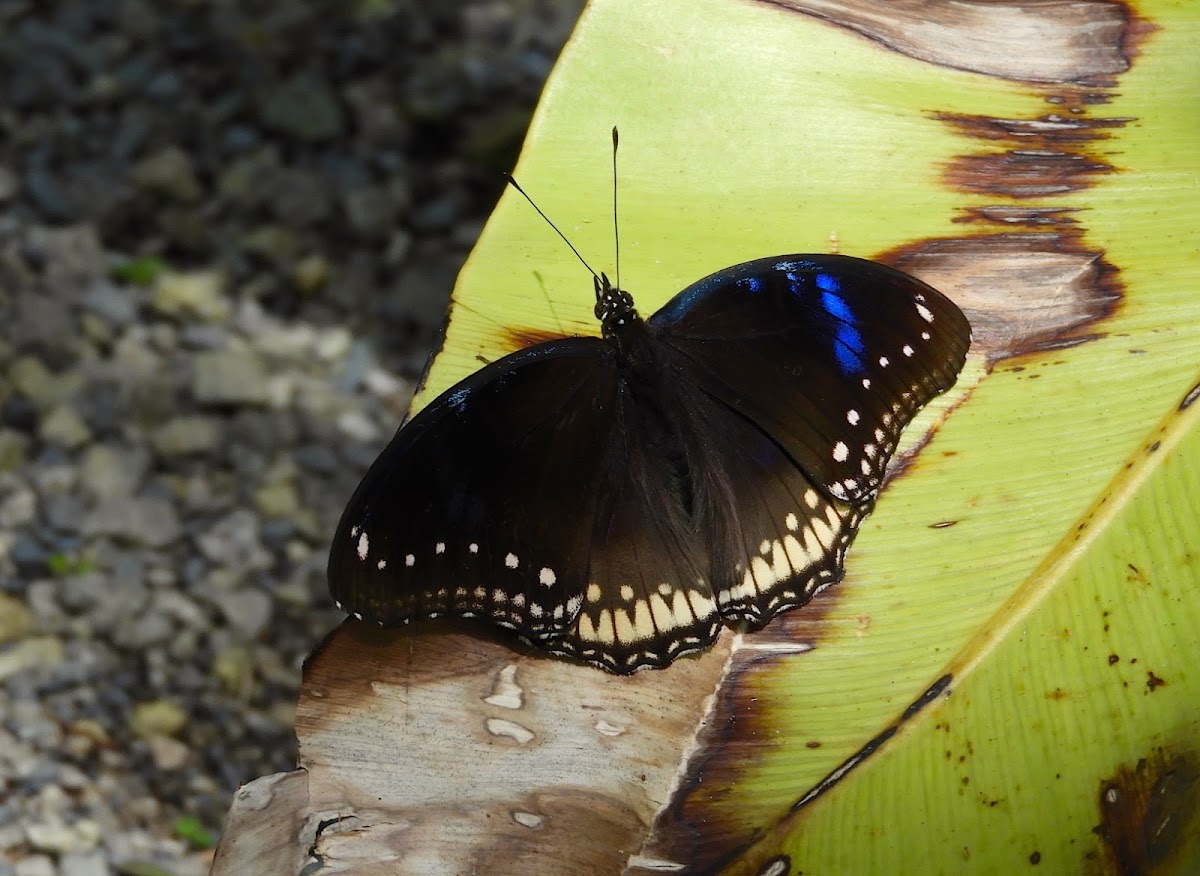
828, 282
848, 346
753, 284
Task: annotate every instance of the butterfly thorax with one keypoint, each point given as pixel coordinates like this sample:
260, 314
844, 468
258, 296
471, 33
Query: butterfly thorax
614, 308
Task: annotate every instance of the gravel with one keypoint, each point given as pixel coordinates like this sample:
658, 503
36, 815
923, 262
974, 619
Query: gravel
228, 233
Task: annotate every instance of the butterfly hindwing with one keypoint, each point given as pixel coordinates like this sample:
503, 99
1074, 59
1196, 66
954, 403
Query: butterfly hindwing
647, 598
787, 538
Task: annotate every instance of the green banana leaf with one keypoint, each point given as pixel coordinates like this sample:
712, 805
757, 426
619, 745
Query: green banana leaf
749, 130
1007, 677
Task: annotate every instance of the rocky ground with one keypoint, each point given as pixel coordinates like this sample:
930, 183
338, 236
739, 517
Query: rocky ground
228, 232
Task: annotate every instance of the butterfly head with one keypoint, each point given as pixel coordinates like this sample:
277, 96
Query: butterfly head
614, 307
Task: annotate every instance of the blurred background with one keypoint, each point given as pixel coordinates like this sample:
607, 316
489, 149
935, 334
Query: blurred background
228, 234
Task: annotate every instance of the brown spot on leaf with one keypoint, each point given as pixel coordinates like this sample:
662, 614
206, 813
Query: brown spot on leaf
1047, 41
1153, 682
1192, 395
1149, 810
1029, 158
520, 338
1022, 292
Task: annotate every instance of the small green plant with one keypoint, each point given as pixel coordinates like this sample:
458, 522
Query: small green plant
140, 271
194, 833
61, 565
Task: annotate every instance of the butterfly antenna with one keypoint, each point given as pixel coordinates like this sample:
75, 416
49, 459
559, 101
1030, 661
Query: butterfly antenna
512, 182
616, 231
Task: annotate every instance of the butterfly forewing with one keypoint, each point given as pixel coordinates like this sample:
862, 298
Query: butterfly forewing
830, 355
483, 505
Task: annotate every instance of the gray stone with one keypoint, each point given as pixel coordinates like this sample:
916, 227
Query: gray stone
157, 718
143, 631
168, 172
317, 458
10, 184
41, 320
116, 306
50, 836
18, 503
28, 555
204, 337
38, 652
169, 754
248, 181
83, 864
300, 197
185, 436
310, 273
235, 542
196, 293
304, 107
64, 512
15, 618
73, 259
247, 610
30, 376
46, 192
112, 471
105, 600
181, 608
146, 520
276, 243
371, 211
229, 377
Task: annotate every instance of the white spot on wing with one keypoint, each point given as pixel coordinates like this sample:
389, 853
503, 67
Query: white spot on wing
473, 548
840, 452
791, 522
381, 565
925, 313
409, 560
363, 546
907, 350
547, 576
852, 417
511, 561
440, 547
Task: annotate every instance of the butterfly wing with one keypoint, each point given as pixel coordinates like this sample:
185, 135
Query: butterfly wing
831, 356
783, 538
483, 504
647, 598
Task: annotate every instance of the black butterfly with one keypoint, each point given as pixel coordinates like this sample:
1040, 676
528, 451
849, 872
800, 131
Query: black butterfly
617, 498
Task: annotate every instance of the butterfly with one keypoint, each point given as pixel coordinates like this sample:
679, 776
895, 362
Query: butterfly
618, 499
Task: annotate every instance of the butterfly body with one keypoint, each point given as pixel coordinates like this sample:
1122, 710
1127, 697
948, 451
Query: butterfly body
618, 498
